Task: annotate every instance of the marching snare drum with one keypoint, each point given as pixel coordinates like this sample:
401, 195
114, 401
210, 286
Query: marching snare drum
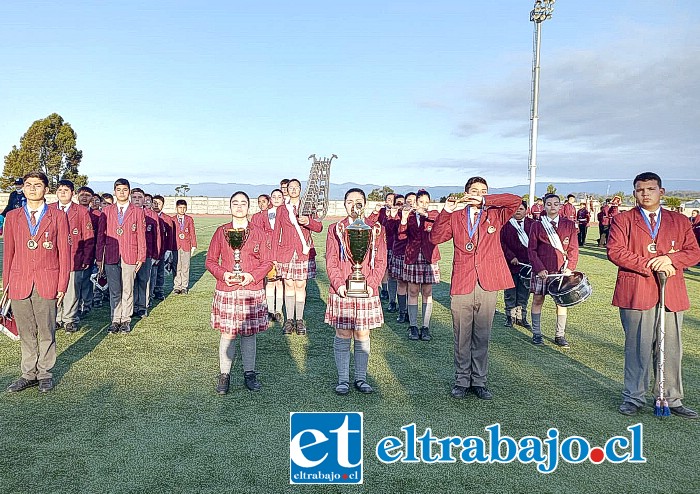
572, 290
526, 274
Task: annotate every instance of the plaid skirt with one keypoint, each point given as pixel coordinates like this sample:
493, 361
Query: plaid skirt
354, 313
396, 267
297, 269
422, 272
239, 312
538, 286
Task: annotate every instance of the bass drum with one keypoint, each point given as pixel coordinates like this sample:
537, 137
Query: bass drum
572, 290
526, 274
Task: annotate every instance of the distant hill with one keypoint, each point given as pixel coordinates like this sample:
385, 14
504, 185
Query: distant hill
211, 189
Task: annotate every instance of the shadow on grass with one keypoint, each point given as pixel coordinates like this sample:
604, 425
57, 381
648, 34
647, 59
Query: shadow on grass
92, 336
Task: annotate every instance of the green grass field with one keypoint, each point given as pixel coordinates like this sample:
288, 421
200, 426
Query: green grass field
138, 413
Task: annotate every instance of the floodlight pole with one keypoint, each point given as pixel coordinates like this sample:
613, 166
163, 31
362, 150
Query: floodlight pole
542, 11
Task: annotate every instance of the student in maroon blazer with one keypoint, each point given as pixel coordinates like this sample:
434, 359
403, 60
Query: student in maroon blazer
143, 275
168, 245
186, 238
547, 258
121, 243
421, 269
568, 210
583, 217
514, 239
391, 229
644, 241
353, 318
536, 209
82, 247
479, 271
85, 292
398, 254
274, 286
36, 268
239, 306
296, 256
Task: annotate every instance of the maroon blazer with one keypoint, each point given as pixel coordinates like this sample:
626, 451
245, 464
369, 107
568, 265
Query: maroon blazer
286, 239
46, 268
130, 246
604, 215
511, 245
95, 220
153, 234
418, 238
485, 263
536, 210
339, 269
636, 286
256, 258
185, 234
583, 216
568, 211
544, 256
167, 233
81, 237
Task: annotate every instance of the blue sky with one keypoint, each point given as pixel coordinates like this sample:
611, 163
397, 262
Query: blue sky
404, 92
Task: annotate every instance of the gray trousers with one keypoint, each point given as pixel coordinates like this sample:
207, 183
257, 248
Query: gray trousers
141, 288
472, 318
67, 312
120, 278
157, 279
516, 298
36, 325
86, 288
182, 271
641, 355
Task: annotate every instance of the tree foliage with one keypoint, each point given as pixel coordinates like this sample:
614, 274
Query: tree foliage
378, 194
182, 190
49, 145
674, 203
551, 189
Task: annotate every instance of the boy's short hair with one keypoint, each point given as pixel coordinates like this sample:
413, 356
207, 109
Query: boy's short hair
181, 202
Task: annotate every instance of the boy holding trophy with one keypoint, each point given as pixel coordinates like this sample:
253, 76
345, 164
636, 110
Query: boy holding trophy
355, 263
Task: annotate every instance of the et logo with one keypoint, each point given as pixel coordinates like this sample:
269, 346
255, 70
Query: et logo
325, 448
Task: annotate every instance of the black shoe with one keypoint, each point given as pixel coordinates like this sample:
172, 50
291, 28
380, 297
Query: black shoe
525, 324
21, 384
288, 327
402, 317
458, 392
684, 412
413, 333
424, 334
71, 328
482, 393
537, 339
45, 385
561, 341
84, 312
125, 328
509, 322
223, 384
301, 327
628, 408
251, 380
342, 388
177, 292
159, 296
363, 387
114, 328
184, 291
143, 314
392, 307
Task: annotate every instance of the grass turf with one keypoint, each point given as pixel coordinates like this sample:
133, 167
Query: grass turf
138, 413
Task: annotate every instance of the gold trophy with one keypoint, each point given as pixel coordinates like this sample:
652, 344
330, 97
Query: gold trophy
356, 240
236, 240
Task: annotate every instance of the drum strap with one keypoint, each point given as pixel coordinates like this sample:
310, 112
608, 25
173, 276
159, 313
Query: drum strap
553, 236
521, 231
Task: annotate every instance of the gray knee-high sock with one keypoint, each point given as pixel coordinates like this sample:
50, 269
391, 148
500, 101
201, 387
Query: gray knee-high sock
536, 318
402, 303
392, 289
248, 350
279, 299
361, 359
300, 308
341, 350
289, 302
227, 352
413, 315
561, 325
427, 313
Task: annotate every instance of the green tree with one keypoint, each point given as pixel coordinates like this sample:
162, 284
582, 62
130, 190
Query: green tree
49, 145
526, 198
182, 190
674, 203
551, 189
378, 194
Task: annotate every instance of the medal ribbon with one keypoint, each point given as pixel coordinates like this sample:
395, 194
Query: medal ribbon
182, 223
471, 229
653, 232
120, 215
35, 228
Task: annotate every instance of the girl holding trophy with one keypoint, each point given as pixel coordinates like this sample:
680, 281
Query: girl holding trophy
239, 257
355, 263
